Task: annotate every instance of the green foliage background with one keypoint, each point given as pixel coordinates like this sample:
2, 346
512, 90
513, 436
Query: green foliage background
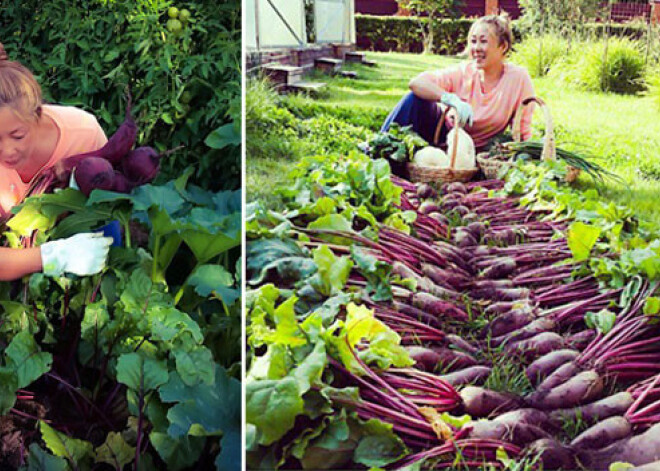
186, 86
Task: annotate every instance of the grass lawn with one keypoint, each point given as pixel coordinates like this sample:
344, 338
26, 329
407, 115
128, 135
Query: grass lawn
622, 131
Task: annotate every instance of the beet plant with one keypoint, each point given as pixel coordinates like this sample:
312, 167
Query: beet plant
141, 361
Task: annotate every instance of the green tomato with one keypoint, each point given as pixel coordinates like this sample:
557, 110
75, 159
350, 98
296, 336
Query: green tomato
184, 15
173, 12
174, 26
186, 97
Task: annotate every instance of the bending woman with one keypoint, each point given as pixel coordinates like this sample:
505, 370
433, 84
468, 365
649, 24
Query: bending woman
484, 91
35, 136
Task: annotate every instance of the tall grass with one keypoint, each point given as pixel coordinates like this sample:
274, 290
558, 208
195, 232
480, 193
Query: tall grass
540, 53
616, 65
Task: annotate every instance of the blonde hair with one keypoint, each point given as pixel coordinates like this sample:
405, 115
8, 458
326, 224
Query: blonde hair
501, 27
19, 89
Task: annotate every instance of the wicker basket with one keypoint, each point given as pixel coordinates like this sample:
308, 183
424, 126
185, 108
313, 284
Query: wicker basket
493, 167
421, 174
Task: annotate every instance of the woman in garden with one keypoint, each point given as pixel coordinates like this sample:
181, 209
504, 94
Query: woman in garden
34, 136
484, 92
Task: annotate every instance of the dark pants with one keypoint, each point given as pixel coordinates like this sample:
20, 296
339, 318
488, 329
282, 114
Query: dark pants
422, 115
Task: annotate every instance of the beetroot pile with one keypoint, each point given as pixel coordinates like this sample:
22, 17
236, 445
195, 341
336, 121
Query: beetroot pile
502, 263
114, 167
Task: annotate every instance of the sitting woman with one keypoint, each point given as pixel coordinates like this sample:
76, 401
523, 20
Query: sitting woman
34, 136
484, 92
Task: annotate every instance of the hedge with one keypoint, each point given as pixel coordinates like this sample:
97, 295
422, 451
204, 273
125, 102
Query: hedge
404, 33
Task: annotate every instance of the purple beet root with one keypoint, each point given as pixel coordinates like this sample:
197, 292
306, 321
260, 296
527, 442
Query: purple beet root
548, 363
429, 358
481, 402
604, 433
616, 404
552, 454
122, 184
510, 321
94, 173
470, 375
519, 433
141, 165
637, 450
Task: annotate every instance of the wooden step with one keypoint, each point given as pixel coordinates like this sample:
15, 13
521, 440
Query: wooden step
370, 63
350, 74
307, 87
353, 56
328, 64
284, 74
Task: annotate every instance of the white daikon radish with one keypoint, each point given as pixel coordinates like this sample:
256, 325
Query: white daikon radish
431, 157
465, 152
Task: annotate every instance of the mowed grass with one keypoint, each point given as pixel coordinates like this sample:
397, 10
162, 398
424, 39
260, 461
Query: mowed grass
623, 132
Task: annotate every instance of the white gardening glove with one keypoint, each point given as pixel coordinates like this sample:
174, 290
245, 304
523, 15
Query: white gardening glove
82, 254
464, 110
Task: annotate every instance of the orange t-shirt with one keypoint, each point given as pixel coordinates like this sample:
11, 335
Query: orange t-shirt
79, 133
493, 110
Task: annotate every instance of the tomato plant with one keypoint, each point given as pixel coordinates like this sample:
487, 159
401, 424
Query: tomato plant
85, 53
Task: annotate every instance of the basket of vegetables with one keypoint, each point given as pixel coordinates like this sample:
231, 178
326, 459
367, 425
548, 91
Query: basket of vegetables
500, 157
431, 164
495, 162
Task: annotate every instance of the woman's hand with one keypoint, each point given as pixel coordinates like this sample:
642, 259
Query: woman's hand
82, 254
462, 109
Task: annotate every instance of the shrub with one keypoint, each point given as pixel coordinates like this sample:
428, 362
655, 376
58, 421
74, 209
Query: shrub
585, 66
539, 53
404, 34
271, 130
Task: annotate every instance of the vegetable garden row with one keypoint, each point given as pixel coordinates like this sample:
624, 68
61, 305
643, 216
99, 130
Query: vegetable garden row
499, 324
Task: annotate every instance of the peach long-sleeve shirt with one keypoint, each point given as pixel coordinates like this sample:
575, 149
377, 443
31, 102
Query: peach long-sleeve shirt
79, 132
494, 110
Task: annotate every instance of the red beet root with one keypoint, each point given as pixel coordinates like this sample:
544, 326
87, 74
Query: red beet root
122, 184
95, 173
141, 165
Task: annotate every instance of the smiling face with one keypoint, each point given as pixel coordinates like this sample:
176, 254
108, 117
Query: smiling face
16, 142
484, 46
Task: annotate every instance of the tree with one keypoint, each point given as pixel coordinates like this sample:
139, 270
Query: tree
434, 10
559, 16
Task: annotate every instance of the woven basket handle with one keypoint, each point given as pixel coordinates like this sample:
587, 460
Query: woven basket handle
549, 148
436, 136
